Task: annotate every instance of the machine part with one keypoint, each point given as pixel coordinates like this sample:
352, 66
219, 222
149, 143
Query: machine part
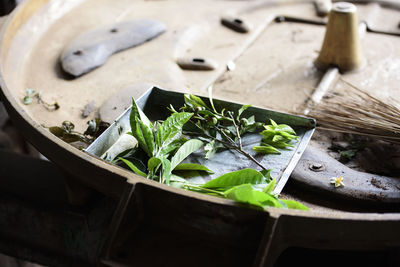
196, 63
323, 7
341, 49
282, 18
236, 24
359, 185
92, 49
154, 104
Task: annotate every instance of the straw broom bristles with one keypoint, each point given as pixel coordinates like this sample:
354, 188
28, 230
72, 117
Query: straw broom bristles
358, 112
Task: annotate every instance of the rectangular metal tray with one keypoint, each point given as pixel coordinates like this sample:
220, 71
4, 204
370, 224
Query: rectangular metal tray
154, 104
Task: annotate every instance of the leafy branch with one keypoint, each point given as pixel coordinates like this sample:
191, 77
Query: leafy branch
165, 147
224, 129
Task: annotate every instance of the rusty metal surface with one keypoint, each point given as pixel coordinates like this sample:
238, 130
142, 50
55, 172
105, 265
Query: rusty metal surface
316, 168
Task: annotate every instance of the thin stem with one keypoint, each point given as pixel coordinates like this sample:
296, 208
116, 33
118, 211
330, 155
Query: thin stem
237, 130
229, 146
250, 157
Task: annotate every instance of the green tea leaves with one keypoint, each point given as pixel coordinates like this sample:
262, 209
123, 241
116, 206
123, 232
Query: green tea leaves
243, 193
245, 176
144, 136
185, 150
133, 167
291, 204
270, 187
166, 149
194, 101
266, 149
276, 136
192, 167
240, 111
173, 125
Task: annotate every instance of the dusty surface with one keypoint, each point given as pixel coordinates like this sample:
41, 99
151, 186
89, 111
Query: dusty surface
274, 62
274, 70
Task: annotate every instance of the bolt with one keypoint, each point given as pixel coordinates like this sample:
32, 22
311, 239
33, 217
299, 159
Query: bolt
316, 167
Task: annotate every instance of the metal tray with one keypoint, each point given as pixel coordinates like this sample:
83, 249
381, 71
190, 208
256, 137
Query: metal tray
154, 104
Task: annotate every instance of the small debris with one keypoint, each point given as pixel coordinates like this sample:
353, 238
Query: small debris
32, 94
337, 181
230, 66
375, 182
88, 109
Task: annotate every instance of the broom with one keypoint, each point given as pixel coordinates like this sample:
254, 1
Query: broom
358, 112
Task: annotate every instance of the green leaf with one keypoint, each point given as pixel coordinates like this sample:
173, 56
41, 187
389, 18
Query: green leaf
291, 204
174, 145
273, 123
153, 163
193, 167
177, 181
133, 167
173, 125
211, 99
194, 101
137, 113
185, 150
266, 149
166, 170
244, 194
267, 200
279, 144
144, 136
245, 176
158, 134
211, 148
270, 187
27, 100
267, 174
285, 128
243, 108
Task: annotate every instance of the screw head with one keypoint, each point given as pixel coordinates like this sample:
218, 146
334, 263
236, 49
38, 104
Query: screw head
316, 167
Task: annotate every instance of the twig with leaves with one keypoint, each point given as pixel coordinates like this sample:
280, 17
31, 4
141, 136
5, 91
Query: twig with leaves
165, 148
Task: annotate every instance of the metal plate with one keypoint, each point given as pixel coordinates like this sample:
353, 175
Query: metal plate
154, 103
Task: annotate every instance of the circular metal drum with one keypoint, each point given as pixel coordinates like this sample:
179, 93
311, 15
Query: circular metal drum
262, 54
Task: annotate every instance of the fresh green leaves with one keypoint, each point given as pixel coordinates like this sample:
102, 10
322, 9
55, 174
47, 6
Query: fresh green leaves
166, 149
192, 167
276, 136
133, 167
245, 176
162, 142
266, 149
240, 187
172, 126
194, 101
185, 150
